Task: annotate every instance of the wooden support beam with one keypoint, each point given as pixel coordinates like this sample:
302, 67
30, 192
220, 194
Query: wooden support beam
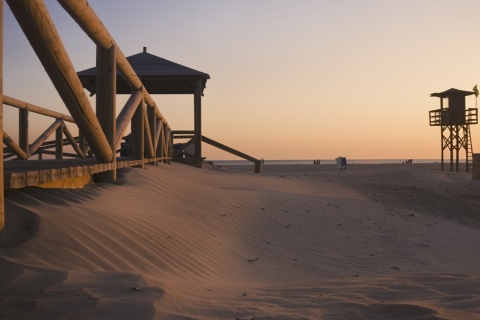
158, 138
149, 149
44, 136
59, 141
23, 129
137, 128
37, 25
106, 111
72, 141
198, 121
233, 151
168, 141
14, 147
125, 116
2, 194
152, 126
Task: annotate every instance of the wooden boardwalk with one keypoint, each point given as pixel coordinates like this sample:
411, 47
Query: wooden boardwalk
94, 151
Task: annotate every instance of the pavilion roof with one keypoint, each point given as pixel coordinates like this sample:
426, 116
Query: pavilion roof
158, 75
451, 92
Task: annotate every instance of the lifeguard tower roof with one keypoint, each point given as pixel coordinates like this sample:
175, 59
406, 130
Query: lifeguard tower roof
451, 92
158, 75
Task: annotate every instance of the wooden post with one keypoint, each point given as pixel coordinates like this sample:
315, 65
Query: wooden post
147, 137
81, 142
476, 166
125, 116
23, 129
153, 131
159, 138
2, 194
137, 128
198, 121
451, 148
59, 142
37, 25
106, 111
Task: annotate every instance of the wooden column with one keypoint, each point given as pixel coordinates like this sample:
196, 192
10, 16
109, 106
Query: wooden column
23, 129
198, 121
153, 131
2, 194
81, 142
105, 100
137, 127
59, 142
37, 25
476, 166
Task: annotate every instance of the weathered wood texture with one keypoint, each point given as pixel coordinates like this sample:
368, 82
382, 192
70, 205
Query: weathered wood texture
22, 105
233, 151
198, 121
137, 128
14, 147
35, 172
106, 101
125, 116
37, 25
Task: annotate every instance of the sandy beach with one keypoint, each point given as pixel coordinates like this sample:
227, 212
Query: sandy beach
396, 241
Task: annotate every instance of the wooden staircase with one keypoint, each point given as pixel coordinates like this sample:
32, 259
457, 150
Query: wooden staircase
469, 147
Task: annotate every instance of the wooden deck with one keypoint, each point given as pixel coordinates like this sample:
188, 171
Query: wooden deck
21, 174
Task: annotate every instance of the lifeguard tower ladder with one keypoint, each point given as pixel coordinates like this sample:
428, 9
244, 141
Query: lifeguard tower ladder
454, 121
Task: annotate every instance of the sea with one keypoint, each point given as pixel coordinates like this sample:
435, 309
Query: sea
327, 161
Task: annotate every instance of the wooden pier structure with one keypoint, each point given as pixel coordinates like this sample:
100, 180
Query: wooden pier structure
95, 151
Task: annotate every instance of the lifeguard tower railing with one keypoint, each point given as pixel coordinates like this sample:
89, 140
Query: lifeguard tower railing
100, 133
441, 117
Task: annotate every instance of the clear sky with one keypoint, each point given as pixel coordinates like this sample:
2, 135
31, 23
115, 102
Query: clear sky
290, 79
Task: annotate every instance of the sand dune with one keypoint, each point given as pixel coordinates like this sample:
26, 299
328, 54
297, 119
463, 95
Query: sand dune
175, 242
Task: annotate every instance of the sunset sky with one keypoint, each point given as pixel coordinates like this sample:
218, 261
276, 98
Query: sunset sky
290, 79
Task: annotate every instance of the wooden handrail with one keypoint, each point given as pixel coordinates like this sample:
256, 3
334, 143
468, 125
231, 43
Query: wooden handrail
36, 109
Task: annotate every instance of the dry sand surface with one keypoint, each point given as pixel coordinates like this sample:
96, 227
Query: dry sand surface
295, 242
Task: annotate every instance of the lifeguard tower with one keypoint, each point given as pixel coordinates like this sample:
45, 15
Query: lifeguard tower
454, 120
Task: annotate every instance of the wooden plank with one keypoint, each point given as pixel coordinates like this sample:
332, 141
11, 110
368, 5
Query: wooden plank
33, 178
55, 174
16, 180
37, 25
44, 176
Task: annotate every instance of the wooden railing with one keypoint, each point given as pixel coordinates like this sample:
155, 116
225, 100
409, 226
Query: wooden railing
102, 131
190, 135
